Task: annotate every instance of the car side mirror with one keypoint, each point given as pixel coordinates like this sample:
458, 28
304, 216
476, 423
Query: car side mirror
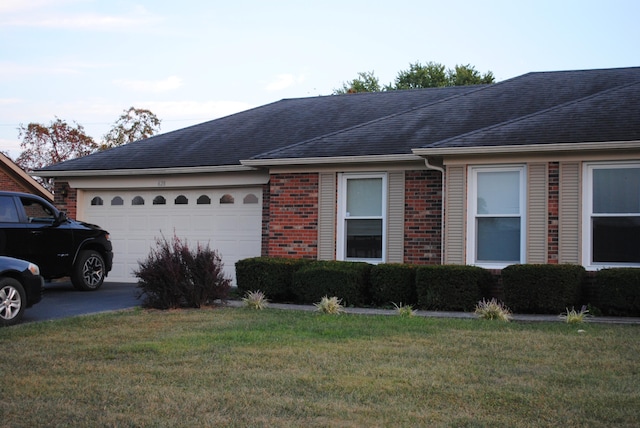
62, 217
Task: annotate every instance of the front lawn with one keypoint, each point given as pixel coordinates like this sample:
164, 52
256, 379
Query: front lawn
241, 367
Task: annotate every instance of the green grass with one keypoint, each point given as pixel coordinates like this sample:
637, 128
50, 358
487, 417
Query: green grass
240, 367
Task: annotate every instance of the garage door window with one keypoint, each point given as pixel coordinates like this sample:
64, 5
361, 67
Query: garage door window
97, 201
117, 201
181, 200
204, 200
159, 200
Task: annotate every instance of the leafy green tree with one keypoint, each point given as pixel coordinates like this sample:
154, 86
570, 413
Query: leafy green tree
429, 75
365, 82
468, 75
133, 124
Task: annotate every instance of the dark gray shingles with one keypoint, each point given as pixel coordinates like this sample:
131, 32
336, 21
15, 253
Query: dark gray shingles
228, 140
445, 119
608, 116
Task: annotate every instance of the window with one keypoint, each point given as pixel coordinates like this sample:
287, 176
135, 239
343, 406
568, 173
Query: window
97, 201
138, 200
181, 200
8, 213
495, 228
362, 217
159, 200
117, 200
226, 199
204, 200
611, 228
250, 199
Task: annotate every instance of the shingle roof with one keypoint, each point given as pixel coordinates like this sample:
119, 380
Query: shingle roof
228, 140
535, 108
608, 116
445, 120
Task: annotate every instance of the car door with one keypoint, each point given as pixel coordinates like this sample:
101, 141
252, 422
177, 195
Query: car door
49, 244
12, 230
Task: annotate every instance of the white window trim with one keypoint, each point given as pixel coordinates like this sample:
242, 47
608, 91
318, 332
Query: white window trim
587, 205
472, 202
341, 242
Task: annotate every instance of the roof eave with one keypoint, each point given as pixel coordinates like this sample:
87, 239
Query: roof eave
529, 148
144, 171
264, 163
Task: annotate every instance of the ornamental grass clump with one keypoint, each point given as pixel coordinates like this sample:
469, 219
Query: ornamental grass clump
255, 300
404, 310
574, 317
492, 310
329, 305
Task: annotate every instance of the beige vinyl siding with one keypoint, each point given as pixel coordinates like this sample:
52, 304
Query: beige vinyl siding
454, 242
537, 209
327, 216
395, 218
569, 213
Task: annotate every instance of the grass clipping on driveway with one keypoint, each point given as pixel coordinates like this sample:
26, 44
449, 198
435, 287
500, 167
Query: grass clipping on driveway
238, 367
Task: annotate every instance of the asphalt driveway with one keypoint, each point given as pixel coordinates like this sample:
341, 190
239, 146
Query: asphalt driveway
61, 300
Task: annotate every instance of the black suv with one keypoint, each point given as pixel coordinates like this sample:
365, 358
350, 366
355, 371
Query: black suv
33, 229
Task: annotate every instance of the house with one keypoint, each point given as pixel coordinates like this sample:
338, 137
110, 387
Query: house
15, 179
541, 168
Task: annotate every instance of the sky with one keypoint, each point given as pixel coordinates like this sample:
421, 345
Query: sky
190, 61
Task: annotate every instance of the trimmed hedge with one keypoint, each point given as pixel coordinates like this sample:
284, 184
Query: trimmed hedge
542, 289
393, 283
617, 292
271, 275
451, 287
346, 280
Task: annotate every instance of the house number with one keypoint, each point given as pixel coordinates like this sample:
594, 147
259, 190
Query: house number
161, 183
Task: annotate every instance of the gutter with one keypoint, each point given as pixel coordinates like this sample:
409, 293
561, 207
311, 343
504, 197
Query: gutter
142, 171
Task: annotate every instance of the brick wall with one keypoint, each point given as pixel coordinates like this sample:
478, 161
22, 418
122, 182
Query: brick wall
65, 198
10, 182
293, 216
423, 217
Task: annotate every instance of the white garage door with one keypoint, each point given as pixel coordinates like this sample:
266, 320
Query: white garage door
229, 220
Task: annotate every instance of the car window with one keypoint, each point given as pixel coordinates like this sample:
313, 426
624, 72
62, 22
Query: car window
37, 212
8, 212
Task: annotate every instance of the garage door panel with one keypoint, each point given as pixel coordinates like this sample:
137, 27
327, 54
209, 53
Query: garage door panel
233, 228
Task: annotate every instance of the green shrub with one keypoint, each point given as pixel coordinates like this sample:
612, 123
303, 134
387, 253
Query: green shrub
393, 282
273, 276
451, 287
542, 289
617, 292
174, 276
346, 280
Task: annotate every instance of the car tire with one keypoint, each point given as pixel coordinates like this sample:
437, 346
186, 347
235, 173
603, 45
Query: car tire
89, 271
13, 300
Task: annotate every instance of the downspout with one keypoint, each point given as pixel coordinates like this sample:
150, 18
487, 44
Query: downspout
441, 169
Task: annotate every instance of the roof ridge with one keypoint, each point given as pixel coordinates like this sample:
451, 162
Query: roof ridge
530, 115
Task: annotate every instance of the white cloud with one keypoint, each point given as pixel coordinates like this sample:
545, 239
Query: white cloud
284, 81
34, 14
168, 84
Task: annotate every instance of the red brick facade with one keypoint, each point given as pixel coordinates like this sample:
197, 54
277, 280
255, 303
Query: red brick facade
65, 198
290, 216
422, 217
293, 216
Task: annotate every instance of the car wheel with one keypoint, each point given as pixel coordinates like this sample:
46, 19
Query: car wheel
88, 272
13, 300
